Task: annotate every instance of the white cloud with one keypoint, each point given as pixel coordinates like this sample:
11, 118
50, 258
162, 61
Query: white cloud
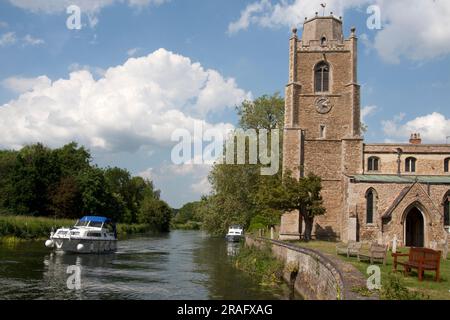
414, 29
90, 8
434, 128
367, 111
29, 40
21, 85
147, 174
87, 6
7, 39
132, 52
93, 70
139, 103
11, 38
202, 187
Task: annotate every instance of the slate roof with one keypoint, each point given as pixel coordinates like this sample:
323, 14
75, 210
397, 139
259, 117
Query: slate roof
401, 179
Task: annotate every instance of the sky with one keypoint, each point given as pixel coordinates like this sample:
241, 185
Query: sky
137, 70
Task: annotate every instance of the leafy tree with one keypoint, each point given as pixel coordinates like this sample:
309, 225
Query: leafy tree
155, 213
7, 163
66, 199
235, 187
72, 159
32, 176
302, 195
189, 212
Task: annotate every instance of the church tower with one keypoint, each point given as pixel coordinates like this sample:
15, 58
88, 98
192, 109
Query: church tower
322, 119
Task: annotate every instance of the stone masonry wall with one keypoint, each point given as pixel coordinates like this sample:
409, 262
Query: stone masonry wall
318, 277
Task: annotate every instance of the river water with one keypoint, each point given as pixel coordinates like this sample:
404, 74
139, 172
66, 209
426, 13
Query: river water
181, 265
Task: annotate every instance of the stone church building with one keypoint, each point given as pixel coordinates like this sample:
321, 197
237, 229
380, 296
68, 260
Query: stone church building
371, 192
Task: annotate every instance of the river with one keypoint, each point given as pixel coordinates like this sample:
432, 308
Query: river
180, 265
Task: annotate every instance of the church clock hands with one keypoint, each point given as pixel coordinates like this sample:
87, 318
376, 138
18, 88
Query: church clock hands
323, 105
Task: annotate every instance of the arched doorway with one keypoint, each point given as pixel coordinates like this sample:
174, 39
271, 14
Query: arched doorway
414, 228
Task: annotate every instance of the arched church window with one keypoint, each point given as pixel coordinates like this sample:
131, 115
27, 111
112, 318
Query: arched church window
322, 77
410, 164
446, 165
447, 210
374, 164
370, 206
323, 41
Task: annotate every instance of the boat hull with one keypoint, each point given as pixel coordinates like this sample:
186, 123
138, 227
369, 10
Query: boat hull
84, 246
233, 238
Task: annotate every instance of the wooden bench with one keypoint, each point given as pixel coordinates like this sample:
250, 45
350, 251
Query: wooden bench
349, 249
374, 253
421, 259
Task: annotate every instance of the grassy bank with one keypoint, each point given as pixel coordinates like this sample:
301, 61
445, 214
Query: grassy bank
425, 289
260, 264
190, 225
16, 228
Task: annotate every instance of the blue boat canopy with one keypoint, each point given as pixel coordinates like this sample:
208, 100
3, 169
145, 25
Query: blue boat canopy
95, 219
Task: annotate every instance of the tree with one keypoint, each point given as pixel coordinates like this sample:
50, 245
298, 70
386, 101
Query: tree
155, 213
32, 176
292, 194
235, 187
65, 199
7, 163
72, 159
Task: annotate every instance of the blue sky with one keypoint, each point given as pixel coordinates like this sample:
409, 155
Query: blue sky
405, 74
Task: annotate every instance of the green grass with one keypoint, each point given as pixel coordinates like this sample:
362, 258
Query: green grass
260, 264
16, 228
428, 287
190, 225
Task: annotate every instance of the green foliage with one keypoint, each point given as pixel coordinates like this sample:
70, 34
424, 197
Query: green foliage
32, 228
266, 112
235, 187
393, 288
61, 183
260, 264
25, 227
291, 194
155, 213
261, 222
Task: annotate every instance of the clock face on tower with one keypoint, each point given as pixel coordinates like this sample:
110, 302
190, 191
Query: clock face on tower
323, 105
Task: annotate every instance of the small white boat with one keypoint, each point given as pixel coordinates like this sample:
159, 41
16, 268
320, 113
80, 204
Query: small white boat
89, 235
235, 234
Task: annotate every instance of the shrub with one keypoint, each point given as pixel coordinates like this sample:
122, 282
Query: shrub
394, 289
259, 263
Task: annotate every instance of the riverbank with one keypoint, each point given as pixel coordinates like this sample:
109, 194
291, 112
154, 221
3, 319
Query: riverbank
19, 228
314, 275
260, 264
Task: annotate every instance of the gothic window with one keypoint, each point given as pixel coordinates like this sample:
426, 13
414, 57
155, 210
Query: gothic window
322, 77
370, 206
447, 211
323, 41
410, 164
374, 164
446, 165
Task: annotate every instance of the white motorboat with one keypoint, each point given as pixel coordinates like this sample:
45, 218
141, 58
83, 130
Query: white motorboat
235, 234
89, 235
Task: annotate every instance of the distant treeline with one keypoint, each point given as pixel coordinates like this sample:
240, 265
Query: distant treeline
63, 183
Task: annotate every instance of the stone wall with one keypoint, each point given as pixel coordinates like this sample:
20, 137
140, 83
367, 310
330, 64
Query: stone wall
428, 198
430, 158
315, 276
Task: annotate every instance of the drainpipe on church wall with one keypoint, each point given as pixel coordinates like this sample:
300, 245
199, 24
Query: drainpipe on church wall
399, 161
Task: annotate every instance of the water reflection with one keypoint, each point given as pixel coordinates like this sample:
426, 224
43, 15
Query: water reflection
233, 249
181, 265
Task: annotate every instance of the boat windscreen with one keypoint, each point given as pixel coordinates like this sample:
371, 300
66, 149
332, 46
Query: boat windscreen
81, 223
95, 224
